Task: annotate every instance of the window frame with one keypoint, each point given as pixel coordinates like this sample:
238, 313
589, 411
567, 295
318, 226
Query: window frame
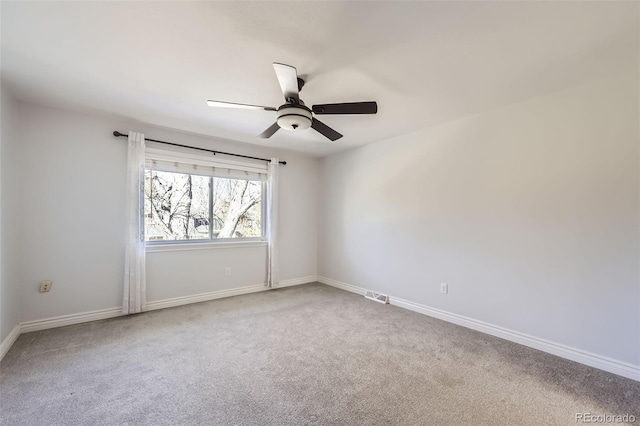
210, 241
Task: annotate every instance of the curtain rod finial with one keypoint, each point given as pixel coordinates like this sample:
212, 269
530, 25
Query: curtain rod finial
117, 133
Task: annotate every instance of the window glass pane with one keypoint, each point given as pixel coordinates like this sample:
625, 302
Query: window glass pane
176, 206
237, 208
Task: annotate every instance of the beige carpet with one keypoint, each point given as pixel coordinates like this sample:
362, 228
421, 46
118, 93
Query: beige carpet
309, 354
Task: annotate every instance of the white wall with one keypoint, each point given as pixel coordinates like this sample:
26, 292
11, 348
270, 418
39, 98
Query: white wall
529, 212
9, 214
72, 208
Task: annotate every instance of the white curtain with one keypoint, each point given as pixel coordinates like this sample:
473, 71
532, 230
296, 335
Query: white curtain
134, 267
272, 223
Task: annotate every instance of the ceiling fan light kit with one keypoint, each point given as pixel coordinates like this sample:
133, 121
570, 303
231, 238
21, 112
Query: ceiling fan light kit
294, 115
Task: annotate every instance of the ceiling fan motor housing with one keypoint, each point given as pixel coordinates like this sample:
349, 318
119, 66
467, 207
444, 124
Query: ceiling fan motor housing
294, 117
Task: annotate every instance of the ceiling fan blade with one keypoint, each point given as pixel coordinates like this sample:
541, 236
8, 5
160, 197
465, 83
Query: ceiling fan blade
346, 108
325, 130
235, 105
269, 132
288, 79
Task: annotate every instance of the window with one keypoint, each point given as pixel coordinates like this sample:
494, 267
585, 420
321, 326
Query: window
194, 207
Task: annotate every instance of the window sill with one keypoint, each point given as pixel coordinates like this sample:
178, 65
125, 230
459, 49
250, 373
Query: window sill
203, 246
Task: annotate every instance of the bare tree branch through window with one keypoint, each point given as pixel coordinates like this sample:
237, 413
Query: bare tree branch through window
177, 207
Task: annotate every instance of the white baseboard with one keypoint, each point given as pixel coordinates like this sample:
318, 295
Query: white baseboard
203, 297
588, 358
297, 281
9, 341
344, 286
72, 319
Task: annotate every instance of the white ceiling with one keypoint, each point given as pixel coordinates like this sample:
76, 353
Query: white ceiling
424, 63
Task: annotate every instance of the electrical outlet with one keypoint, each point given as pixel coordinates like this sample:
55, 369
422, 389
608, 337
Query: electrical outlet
444, 288
227, 271
45, 286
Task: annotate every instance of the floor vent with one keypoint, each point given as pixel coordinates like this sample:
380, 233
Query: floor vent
377, 297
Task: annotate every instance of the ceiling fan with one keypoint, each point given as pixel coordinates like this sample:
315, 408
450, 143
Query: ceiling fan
293, 114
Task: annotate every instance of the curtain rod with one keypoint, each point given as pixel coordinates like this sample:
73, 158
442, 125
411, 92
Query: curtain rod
118, 134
